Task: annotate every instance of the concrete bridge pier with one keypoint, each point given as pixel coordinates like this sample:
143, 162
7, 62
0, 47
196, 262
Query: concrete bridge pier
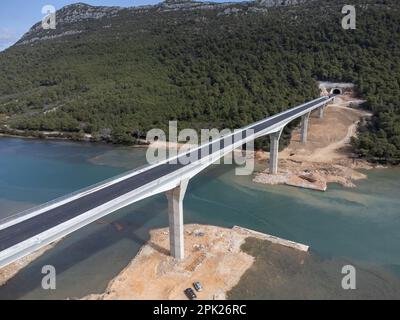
244, 151
175, 216
274, 151
321, 111
304, 127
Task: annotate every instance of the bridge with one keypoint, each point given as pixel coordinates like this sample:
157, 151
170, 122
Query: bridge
28, 231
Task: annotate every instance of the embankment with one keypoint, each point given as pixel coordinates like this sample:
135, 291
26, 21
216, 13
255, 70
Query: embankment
326, 157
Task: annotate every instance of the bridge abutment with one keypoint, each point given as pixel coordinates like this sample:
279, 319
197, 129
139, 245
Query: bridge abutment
304, 127
175, 217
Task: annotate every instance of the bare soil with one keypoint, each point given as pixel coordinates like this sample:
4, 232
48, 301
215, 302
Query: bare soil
212, 256
327, 156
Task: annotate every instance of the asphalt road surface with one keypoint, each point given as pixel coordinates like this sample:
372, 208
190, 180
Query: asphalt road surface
35, 225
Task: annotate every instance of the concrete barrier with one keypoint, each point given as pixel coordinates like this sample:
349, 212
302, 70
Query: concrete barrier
273, 239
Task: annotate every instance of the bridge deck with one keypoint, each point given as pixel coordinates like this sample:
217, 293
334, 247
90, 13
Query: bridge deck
32, 226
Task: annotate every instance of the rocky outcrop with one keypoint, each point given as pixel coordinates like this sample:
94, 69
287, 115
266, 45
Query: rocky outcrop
275, 3
70, 14
66, 33
78, 12
71, 18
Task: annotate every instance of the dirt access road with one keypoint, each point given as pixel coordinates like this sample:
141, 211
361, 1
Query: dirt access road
327, 156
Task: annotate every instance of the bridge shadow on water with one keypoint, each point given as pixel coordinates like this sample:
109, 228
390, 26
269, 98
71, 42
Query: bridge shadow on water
88, 259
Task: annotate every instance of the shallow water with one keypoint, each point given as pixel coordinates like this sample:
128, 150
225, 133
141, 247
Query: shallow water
360, 225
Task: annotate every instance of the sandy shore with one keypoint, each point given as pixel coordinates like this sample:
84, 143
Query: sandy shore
327, 156
213, 256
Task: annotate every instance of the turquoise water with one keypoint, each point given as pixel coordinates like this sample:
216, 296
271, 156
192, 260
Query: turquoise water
360, 224
33, 172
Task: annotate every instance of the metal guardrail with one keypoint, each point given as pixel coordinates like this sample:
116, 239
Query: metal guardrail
7, 221
155, 186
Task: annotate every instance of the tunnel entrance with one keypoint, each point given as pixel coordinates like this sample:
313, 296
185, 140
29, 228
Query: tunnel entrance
336, 91
336, 88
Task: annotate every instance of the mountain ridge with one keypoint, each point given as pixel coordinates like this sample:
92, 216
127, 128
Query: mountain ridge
81, 11
127, 72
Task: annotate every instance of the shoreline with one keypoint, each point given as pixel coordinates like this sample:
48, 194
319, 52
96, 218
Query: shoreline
9, 271
344, 166
298, 168
213, 256
327, 156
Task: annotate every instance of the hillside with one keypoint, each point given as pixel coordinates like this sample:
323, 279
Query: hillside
113, 71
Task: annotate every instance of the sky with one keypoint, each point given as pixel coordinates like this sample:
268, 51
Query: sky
17, 16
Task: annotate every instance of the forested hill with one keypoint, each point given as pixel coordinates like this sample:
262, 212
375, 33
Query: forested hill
112, 71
